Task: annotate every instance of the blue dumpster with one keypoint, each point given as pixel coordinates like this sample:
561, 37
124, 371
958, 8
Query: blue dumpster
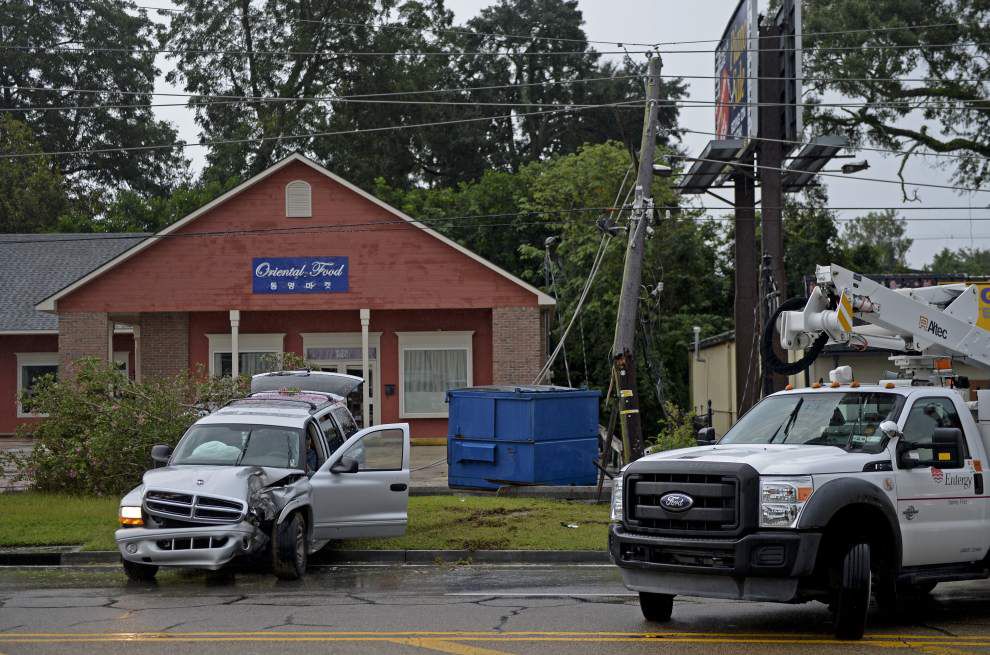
504, 435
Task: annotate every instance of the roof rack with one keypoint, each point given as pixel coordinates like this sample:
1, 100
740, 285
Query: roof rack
312, 406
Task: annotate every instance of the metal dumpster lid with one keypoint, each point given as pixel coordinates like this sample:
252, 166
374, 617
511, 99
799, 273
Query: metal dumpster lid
520, 388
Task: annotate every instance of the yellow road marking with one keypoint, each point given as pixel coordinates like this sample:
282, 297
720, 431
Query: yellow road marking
451, 647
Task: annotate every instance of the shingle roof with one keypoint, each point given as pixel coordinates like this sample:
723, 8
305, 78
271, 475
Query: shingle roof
34, 266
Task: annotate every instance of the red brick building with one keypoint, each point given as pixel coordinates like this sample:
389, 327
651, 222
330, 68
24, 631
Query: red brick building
293, 260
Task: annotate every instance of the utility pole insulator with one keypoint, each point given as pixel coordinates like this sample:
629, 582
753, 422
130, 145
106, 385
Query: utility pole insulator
623, 348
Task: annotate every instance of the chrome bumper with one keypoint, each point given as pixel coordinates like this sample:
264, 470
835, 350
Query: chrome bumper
194, 547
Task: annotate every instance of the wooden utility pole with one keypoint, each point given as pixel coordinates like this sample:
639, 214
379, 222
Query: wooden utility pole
747, 295
623, 348
770, 158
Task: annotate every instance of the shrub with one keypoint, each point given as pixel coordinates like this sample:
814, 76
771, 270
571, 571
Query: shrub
100, 426
676, 431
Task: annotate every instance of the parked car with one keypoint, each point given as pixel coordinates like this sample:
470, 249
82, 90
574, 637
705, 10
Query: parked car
282, 471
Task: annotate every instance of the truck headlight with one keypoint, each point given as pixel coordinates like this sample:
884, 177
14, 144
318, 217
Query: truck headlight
130, 516
616, 511
781, 500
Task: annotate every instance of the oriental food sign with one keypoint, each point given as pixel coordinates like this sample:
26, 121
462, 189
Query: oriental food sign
299, 274
735, 74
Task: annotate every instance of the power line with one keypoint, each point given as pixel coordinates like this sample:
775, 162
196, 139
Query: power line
309, 135
834, 33
455, 53
829, 80
314, 53
362, 95
679, 104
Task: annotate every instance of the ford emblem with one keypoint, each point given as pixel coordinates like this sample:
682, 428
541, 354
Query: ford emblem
676, 502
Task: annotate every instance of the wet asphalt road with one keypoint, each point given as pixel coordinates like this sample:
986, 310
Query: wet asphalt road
459, 610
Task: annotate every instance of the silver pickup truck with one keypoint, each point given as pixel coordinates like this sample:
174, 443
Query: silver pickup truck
284, 470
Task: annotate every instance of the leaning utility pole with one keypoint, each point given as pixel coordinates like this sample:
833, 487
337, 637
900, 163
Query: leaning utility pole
623, 348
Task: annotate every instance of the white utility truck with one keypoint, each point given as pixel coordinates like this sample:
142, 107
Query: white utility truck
838, 492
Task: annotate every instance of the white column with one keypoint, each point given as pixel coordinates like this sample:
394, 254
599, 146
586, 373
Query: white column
137, 351
365, 405
235, 351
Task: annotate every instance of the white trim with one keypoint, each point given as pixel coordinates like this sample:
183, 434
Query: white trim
31, 359
299, 212
48, 304
273, 342
434, 340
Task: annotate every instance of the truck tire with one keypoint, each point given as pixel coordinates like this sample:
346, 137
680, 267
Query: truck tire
289, 548
852, 595
139, 572
656, 607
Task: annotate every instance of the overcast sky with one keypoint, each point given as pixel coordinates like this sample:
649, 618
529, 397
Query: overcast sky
650, 21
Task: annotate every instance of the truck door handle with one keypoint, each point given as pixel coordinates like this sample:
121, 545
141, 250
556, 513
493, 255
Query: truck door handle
398, 486
978, 483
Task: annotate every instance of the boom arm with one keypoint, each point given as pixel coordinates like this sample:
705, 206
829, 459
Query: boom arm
933, 321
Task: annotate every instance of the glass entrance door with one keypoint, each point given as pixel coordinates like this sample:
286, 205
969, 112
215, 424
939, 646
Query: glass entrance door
356, 397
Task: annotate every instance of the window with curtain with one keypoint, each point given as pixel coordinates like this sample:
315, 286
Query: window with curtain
428, 375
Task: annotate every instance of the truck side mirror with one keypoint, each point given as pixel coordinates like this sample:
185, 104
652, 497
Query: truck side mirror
160, 454
706, 437
344, 465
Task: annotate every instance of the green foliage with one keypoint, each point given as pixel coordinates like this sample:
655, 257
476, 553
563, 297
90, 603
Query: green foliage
676, 430
32, 192
90, 124
966, 261
852, 61
876, 243
100, 427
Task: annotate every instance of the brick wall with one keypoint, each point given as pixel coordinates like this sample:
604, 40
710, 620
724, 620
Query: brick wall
164, 344
516, 344
81, 334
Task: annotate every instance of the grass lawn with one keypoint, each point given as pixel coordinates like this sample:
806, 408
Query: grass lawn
435, 522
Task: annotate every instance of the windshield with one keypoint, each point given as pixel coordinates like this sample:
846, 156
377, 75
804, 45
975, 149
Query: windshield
240, 445
848, 420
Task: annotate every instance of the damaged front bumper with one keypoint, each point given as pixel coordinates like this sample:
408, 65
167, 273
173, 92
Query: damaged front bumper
206, 547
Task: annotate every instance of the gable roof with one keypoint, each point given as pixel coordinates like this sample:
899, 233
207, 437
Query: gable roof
33, 266
48, 303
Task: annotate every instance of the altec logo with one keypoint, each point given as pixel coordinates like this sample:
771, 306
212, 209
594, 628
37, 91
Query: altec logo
932, 327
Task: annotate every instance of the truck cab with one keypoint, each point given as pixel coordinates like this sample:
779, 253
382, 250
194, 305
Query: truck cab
836, 493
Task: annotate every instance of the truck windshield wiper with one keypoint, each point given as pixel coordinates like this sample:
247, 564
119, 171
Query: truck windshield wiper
792, 417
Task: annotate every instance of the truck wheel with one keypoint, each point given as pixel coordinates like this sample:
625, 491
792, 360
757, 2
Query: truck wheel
656, 607
139, 572
852, 597
289, 548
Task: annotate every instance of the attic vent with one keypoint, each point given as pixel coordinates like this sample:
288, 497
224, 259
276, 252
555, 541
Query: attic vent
298, 200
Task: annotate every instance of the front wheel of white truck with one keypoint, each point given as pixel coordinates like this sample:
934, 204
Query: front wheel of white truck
852, 592
656, 607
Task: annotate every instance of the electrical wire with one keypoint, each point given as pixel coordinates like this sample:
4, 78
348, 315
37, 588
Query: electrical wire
308, 135
313, 53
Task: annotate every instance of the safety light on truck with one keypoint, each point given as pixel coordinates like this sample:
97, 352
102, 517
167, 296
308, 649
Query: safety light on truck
131, 517
781, 500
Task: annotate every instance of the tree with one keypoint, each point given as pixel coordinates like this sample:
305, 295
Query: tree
876, 243
32, 192
811, 235
295, 51
50, 87
944, 42
965, 261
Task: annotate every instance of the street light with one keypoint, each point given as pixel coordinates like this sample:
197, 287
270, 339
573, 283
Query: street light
855, 167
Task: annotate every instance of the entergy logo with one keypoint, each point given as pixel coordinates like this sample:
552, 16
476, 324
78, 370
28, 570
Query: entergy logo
937, 474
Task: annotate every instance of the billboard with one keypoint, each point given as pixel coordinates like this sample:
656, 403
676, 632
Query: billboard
788, 22
736, 59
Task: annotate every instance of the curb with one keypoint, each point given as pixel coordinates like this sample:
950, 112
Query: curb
27, 558
547, 492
